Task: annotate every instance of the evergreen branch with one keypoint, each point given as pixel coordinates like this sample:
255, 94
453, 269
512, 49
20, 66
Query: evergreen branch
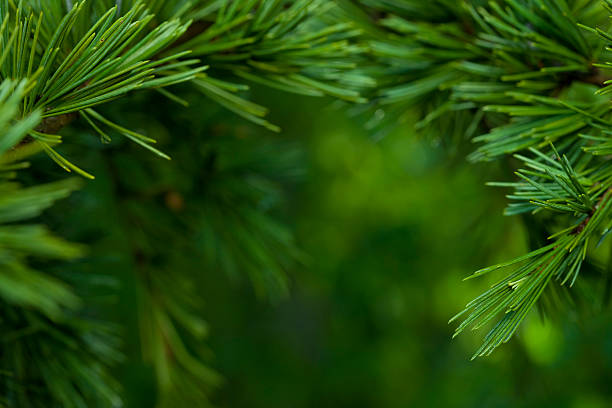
548, 185
114, 56
40, 310
469, 52
517, 293
513, 76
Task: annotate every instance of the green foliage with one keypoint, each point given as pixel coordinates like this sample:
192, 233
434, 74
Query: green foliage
40, 312
214, 212
514, 77
71, 57
22, 285
525, 78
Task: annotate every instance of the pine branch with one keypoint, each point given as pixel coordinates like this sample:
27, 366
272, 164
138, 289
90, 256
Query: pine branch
41, 311
512, 76
95, 69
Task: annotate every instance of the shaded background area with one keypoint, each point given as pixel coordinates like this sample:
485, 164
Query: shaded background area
385, 229
391, 228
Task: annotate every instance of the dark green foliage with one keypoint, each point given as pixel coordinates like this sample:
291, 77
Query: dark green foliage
44, 334
67, 59
527, 78
515, 77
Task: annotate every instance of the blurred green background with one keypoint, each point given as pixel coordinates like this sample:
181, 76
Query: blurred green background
386, 230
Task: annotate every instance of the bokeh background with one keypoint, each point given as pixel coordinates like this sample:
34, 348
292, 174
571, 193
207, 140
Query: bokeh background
385, 230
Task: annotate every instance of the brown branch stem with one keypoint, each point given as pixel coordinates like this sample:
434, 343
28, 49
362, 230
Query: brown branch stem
580, 227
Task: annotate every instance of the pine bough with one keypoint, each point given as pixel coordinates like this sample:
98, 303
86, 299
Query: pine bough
521, 78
